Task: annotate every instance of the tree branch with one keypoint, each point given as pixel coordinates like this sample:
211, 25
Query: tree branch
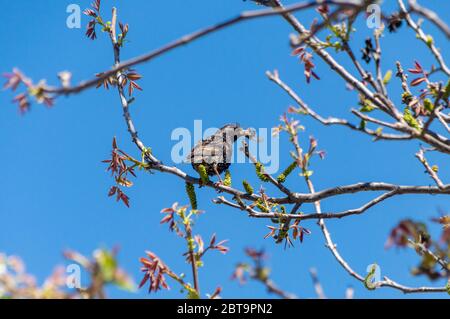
274, 77
244, 16
423, 37
431, 16
432, 172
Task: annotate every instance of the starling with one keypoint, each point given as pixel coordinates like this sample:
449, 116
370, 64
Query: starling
215, 152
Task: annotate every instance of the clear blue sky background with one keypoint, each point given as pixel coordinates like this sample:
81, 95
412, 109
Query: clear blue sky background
53, 184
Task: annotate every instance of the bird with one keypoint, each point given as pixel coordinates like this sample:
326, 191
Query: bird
215, 152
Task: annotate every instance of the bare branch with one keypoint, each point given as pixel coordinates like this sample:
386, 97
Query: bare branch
429, 137
431, 170
394, 126
322, 215
244, 16
317, 285
314, 44
424, 250
431, 16
386, 283
441, 119
403, 77
377, 58
424, 38
273, 288
274, 77
333, 248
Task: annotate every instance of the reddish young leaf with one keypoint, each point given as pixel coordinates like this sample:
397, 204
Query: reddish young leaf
271, 233
144, 280
216, 293
418, 66
414, 71
417, 81
166, 219
323, 9
96, 5
134, 76
90, 13
213, 240
112, 191
297, 51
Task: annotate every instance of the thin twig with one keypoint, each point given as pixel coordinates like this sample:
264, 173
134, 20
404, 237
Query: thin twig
441, 143
424, 250
274, 77
328, 215
317, 285
386, 282
328, 59
431, 16
441, 119
273, 288
423, 37
333, 248
377, 59
430, 170
186, 39
270, 178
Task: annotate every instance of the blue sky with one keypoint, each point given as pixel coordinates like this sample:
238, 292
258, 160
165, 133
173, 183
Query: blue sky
53, 184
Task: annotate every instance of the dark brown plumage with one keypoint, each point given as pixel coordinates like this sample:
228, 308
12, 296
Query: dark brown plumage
215, 152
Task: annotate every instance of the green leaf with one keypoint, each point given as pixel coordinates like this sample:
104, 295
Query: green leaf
430, 40
193, 294
387, 77
107, 263
368, 283
446, 91
203, 174
282, 177
429, 106
362, 125
379, 131
124, 282
248, 188
190, 190
410, 119
260, 172
406, 98
307, 174
227, 180
366, 106
261, 206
